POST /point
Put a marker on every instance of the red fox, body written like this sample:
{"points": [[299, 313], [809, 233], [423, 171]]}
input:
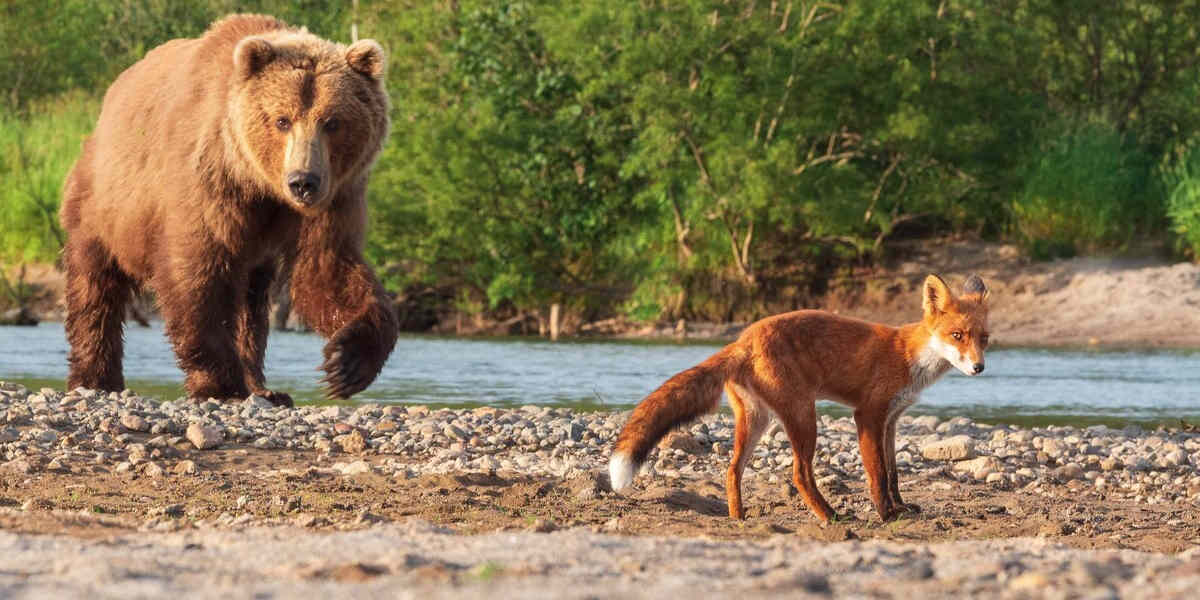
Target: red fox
{"points": [[782, 364]]}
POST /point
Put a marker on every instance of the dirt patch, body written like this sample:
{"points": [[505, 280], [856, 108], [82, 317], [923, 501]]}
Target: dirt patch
{"points": [[1113, 302], [1116, 302], [239, 487]]}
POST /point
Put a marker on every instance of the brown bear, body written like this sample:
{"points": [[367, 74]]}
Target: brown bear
{"points": [[216, 162]]}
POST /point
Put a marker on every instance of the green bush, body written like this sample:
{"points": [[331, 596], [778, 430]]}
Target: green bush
{"points": [[1089, 188], [1181, 179], [36, 151]]}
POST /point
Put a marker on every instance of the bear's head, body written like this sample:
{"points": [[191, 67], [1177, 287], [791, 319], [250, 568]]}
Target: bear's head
{"points": [[309, 115]]}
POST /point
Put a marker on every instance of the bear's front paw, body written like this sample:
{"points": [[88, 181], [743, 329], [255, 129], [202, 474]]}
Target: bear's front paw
{"points": [[351, 364], [276, 398]]}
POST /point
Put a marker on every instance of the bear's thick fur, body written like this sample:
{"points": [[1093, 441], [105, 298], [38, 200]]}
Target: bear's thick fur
{"points": [[217, 161]]}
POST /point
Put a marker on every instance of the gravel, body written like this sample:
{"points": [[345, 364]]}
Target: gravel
{"points": [[84, 430]]}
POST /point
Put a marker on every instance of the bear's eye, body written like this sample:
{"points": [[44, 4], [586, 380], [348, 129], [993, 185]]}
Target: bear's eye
{"points": [[957, 335], [283, 124], [332, 125]]}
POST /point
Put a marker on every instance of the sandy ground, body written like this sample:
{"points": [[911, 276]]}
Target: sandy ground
{"points": [[277, 487], [1107, 302], [262, 523], [1096, 302]]}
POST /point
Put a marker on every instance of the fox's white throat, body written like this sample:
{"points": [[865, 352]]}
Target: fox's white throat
{"points": [[930, 365]]}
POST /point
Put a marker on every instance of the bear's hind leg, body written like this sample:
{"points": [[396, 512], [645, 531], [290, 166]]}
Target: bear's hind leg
{"points": [[97, 294], [253, 327]]}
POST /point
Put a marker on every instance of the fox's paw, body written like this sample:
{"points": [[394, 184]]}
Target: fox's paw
{"points": [[904, 507]]}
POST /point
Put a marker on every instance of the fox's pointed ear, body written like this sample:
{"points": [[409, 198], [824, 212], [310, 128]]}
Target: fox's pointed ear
{"points": [[974, 287], [935, 295]]}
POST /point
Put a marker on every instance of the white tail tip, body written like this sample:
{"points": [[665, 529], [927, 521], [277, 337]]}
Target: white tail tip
{"points": [[620, 471]]}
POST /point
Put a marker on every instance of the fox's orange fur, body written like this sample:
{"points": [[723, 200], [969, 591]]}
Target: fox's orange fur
{"points": [[781, 365]]}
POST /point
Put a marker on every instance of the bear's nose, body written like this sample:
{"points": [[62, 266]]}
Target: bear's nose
{"points": [[303, 184]]}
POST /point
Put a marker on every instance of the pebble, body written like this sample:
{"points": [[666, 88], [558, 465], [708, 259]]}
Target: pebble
{"points": [[81, 430], [958, 447], [134, 423], [351, 443], [204, 438], [184, 467]]}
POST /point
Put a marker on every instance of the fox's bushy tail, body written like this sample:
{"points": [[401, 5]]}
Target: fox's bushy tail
{"points": [[684, 397]]}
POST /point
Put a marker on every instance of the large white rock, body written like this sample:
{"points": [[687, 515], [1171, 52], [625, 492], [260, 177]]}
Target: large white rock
{"points": [[958, 447]]}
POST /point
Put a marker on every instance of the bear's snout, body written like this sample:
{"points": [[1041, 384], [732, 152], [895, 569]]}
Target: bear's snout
{"points": [[304, 185]]}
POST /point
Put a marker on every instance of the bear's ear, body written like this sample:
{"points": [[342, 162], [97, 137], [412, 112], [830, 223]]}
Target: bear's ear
{"points": [[251, 55], [366, 57]]}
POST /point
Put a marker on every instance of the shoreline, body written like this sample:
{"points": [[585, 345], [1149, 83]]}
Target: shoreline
{"points": [[719, 334], [1107, 303]]}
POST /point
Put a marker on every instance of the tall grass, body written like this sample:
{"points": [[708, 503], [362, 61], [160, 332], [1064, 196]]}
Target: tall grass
{"points": [[1181, 178], [37, 149], [1087, 189]]}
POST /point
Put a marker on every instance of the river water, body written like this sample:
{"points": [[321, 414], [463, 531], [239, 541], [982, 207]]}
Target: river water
{"points": [[1022, 386]]}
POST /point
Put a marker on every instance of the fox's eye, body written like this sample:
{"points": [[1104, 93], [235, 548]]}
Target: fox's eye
{"points": [[983, 339], [283, 124], [957, 335], [332, 125]]}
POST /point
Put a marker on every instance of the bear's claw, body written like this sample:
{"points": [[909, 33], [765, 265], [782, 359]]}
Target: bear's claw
{"points": [[346, 373]]}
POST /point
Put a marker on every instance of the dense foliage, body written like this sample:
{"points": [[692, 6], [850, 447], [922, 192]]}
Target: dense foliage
{"points": [[692, 158]]}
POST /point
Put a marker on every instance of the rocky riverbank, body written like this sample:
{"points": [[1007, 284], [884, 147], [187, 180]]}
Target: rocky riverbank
{"points": [[520, 485]]}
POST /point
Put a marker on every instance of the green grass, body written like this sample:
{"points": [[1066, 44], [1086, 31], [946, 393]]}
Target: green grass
{"points": [[37, 149], [1086, 189], [1181, 177]]}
